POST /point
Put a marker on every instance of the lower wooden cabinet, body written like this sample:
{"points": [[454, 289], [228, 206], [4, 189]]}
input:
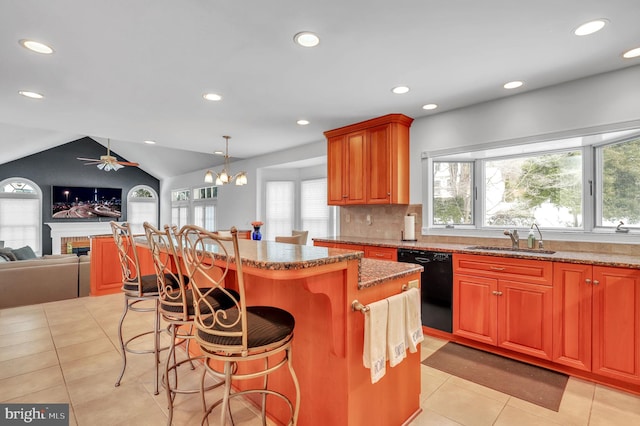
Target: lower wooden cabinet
{"points": [[496, 303], [597, 320]]}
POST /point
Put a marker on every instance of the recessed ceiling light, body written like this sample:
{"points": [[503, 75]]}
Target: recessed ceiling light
{"points": [[633, 53], [212, 97], [429, 106], [590, 27], [306, 39], [513, 84], [399, 90], [36, 46], [302, 122], [150, 142], [218, 152], [32, 95]]}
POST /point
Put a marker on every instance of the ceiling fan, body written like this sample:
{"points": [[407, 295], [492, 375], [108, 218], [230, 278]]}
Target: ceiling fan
{"points": [[107, 162]]}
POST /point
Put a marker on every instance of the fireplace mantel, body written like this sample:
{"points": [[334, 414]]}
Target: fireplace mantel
{"points": [[60, 230]]}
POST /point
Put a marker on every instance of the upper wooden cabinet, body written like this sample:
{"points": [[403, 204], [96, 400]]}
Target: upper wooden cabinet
{"points": [[368, 162]]}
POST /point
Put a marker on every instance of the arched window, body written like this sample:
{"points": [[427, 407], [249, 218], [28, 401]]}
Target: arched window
{"points": [[142, 206], [21, 214]]}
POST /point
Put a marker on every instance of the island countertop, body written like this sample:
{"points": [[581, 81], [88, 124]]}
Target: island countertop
{"points": [[273, 257]]}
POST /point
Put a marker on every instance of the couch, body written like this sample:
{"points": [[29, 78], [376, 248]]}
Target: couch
{"points": [[43, 279]]}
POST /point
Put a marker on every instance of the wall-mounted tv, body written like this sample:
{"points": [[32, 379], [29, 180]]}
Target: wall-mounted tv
{"points": [[80, 202]]}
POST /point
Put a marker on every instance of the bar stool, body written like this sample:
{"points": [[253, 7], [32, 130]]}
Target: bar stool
{"points": [[137, 288], [176, 307], [239, 334]]}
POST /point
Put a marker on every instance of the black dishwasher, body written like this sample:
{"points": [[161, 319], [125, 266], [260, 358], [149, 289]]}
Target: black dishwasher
{"points": [[436, 286]]}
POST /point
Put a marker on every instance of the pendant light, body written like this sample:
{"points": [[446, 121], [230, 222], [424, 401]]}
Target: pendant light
{"points": [[225, 176]]}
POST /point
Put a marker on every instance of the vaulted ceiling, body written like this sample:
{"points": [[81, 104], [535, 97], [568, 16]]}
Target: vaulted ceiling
{"points": [[137, 70]]}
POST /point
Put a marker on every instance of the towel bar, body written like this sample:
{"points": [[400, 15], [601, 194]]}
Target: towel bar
{"points": [[357, 306]]}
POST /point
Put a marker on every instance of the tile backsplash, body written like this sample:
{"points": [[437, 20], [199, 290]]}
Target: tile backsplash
{"points": [[387, 222]]}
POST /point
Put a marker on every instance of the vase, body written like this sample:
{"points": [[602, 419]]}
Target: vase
{"points": [[256, 235]]}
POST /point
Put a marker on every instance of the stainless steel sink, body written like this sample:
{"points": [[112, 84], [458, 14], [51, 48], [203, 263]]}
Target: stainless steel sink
{"points": [[517, 250]]}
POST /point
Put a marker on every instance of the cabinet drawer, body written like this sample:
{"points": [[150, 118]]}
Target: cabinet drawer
{"points": [[532, 271], [381, 253]]}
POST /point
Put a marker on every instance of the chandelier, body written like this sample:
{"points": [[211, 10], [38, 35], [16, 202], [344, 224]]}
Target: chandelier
{"points": [[225, 176]]}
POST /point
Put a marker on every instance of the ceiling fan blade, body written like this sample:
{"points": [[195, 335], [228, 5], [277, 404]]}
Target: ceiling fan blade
{"points": [[87, 159], [128, 163]]}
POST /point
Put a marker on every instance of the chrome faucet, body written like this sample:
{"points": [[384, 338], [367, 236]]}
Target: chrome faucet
{"points": [[515, 238], [540, 242]]}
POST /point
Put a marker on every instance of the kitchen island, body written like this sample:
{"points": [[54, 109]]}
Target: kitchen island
{"points": [[317, 286]]}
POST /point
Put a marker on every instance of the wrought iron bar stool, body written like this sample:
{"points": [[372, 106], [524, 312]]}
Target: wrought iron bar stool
{"points": [[237, 335], [176, 307], [137, 288]]}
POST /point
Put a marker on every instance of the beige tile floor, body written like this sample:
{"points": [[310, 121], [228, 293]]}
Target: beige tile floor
{"points": [[66, 352]]}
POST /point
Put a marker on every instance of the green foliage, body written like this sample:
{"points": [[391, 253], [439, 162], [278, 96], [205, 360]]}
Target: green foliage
{"points": [[621, 182]]}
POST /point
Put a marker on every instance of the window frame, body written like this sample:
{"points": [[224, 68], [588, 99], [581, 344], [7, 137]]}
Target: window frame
{"points": [[132, 201], [36, 195], [592, 229]]}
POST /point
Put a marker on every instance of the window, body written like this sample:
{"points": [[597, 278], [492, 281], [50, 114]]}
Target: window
{"points": [[204, 207], [279, 209], [452, 188], [315, 214], [142, 206], [620, 184], [546, 189], [180, 207], [586, 183], [21, 214]]}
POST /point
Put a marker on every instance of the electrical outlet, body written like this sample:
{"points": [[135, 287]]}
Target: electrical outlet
{"points": [[369, 219]]}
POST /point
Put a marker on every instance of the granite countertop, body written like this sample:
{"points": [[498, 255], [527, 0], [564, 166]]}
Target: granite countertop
{"points": [[269, 255], [602, 259], [374, 272]]}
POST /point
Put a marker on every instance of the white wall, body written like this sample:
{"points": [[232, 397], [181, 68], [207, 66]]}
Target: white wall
{"points": [[603, 102], [239, 205]]}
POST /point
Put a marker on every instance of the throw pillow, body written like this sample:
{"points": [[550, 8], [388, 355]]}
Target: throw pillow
{"points": [[24, 253], [8, 253], [3, 258]]}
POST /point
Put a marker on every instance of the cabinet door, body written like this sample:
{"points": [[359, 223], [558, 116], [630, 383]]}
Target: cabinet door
{"points": [[572, 307], [475, 307], [336, 194], [378, 166], [616, 326], [525, 318], [354, 173]]}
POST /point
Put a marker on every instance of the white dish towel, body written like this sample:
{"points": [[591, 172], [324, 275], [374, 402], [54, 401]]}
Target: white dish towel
{"points": [[413, 319], [396, 332], [375, 339]]}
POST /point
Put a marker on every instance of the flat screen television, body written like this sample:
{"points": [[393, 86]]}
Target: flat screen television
{"points": [[81, 202]]}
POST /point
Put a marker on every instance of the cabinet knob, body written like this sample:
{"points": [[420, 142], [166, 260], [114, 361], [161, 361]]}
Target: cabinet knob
{"points": [[497, 293], [588, 281], [596, 282], [497, 268]]}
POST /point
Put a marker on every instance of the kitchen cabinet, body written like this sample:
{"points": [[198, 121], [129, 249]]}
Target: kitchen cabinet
{"points": [[572, 296], [368, 162], [104, 271], [504, 302], [597, 320]]}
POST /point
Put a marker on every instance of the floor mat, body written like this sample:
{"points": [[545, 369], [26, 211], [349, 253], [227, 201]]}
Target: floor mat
{"points": [[534, 384]]}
